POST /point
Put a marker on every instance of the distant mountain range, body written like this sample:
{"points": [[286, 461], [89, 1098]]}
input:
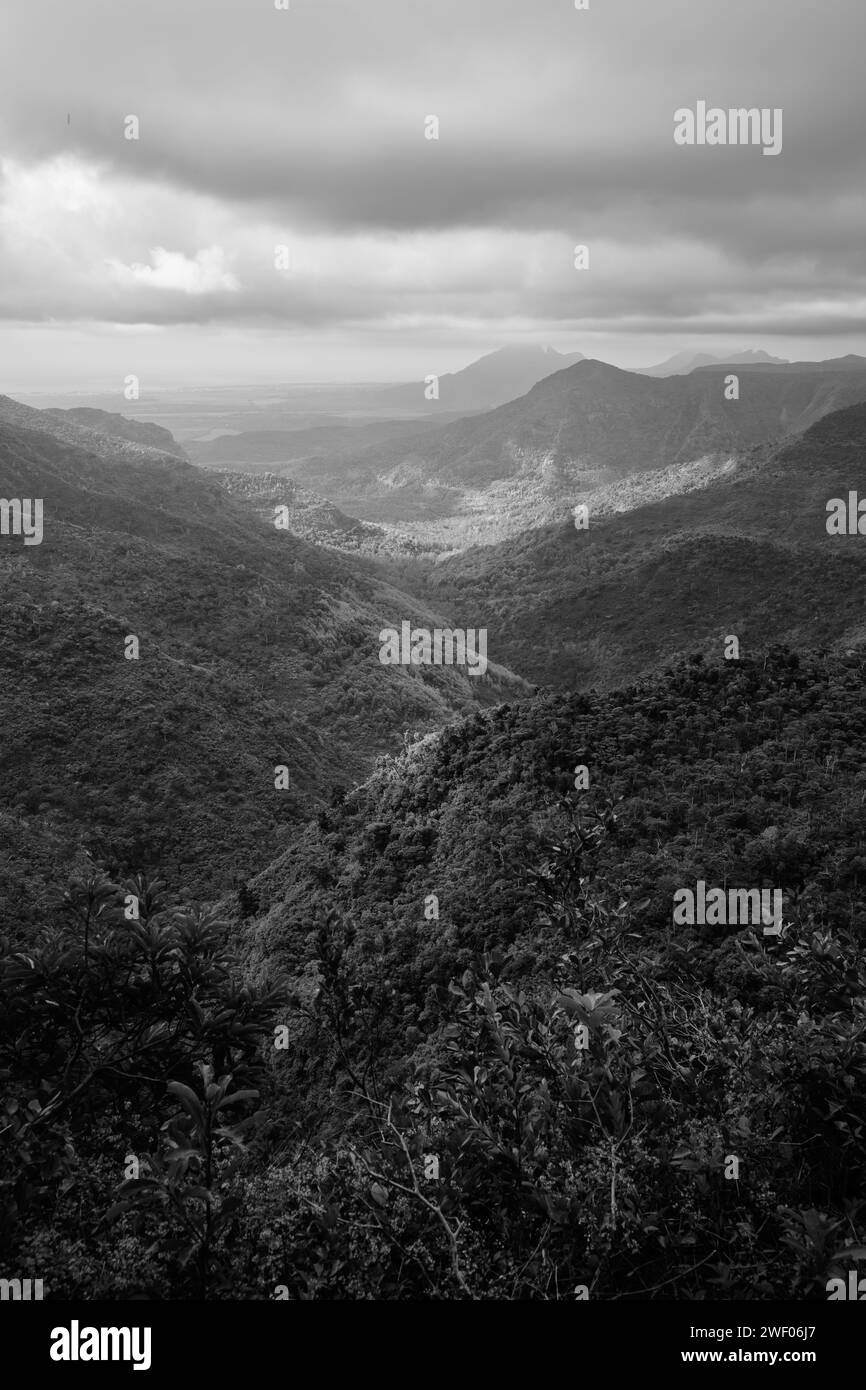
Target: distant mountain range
{"points": [[744, 551], [256, 649], [490, 381], [586, 428], [684, 362]]}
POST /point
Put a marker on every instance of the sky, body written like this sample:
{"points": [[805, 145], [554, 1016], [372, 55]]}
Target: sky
{"points": [[304, 128]]}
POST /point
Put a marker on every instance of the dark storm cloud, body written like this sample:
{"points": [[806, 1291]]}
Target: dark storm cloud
{"points": [[553, 123], [318, 112]]}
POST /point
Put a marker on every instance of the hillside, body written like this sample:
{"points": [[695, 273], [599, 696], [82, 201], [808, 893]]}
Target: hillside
{"points": [[555, 908], [491, 476], [256, 650], [731, 771], [109, 436], [317, 520], [305, 446], [472, 1056], [745, 551], [119, 427]]}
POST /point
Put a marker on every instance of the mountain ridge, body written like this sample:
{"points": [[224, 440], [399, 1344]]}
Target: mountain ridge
{"points": [[687, 361], [102, 432], [590, 426], [744, 551], [491, 380]]}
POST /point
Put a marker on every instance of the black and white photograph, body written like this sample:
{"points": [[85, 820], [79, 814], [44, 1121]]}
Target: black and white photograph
{"points": [[432, 660]]}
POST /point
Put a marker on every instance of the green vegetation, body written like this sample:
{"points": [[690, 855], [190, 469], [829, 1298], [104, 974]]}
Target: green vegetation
{"points": [[378, 1038], [257, 650], [749, 555]]}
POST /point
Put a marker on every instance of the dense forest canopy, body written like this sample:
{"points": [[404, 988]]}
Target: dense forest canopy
{"points": [[450, 1043]]}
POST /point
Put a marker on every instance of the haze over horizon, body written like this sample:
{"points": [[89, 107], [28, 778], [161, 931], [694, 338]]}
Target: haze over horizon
{"points": [[412, 255]]}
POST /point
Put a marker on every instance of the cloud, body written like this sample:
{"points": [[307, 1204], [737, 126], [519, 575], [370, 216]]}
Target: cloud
{"points": [[130, 252], [205, 273], [305, 127], [318, 112]]}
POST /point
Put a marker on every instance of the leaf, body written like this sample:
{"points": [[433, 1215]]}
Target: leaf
{"points": [[134, 1186], [189, 1100], [236, 1098], [201, 1194], [231, 1135], [177, 1155]]}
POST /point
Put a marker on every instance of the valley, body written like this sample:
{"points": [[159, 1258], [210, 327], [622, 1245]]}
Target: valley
{"points": [[257, 648], [581, 434], [384, 866]]}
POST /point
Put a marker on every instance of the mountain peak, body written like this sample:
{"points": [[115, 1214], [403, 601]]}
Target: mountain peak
{"points": [[499, 376], [525, 350]]}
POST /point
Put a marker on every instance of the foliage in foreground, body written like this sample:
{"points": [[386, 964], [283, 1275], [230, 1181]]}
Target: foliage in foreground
{"points": [[545, 1100]]}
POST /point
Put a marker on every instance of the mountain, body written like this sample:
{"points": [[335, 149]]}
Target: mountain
{"points": [[683, 362], [490, 381], [107, 435], [490, 476], [473, 1053], [119, 427], [741, 551], [851, 362], [553, 909], [458, 993], [256, 650]]}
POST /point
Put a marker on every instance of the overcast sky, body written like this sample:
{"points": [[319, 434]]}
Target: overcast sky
{"points": [[305, 128]]}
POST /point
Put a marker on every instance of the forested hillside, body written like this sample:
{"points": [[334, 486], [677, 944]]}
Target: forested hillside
{"points": [[472, 1056], [747, 555], [489, 477], [256, 651]]}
